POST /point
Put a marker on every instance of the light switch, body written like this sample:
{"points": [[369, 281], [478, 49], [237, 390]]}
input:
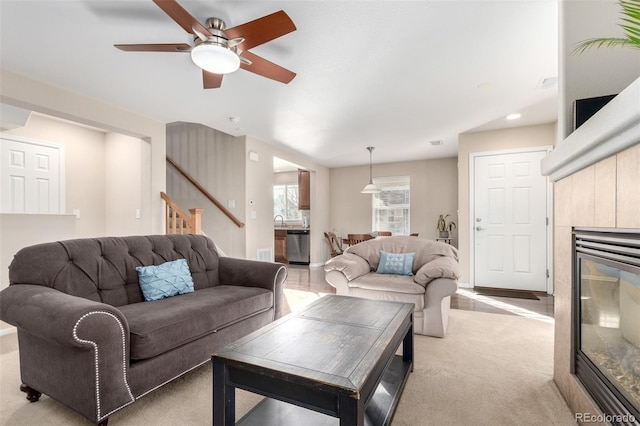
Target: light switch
{"points": [[254, 215], [231, 204], [76, 212]]}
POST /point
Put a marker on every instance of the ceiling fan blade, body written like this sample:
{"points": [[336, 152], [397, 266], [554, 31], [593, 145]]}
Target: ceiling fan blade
{"points": [[266, 68], [181, 16], [165, 47], [262, 30], [211, 80]]}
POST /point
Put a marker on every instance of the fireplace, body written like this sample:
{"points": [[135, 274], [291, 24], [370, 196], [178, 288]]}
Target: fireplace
{"points": [[606, 323]]}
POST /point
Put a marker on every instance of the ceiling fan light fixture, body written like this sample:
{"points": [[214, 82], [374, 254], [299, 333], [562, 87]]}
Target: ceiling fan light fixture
{"points": [[215, 58]]}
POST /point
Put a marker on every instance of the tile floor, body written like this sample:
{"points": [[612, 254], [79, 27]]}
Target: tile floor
{"points": [[311, 280]]}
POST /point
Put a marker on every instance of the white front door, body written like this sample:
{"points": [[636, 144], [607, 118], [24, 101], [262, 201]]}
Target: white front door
{"points": [[31, 176], [510, 221]]}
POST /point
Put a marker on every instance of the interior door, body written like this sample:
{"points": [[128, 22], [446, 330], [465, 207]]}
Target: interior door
{"points": [[510, 221], [30, 177]]}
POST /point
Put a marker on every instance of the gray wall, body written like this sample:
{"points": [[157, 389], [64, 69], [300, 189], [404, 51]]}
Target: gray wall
{"points": [[216, 161]]}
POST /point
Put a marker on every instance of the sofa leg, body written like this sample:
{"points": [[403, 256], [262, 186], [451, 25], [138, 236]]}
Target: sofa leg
{"points": [[32, 394], [104, 422]]}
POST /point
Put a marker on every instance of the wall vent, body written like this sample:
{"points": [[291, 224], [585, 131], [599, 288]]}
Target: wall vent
{"points": [[265, 254]]}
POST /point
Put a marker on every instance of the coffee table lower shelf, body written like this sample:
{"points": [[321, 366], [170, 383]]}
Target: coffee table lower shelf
{"points": [[379, 410]]}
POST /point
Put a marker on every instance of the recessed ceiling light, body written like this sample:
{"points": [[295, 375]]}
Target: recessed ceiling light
{"points": [[513, 116], [435, 143]]}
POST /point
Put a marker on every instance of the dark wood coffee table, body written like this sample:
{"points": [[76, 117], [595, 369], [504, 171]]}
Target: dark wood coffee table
{"points": [[336, 359]]}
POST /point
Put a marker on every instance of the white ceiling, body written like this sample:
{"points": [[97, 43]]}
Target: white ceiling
{"points": [[390, 74]]}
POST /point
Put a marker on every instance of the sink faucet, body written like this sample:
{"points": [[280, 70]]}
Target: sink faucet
{"points": [[281, 219]]}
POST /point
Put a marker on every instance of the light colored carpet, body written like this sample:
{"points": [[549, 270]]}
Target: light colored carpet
{"points": [[490, 369]]}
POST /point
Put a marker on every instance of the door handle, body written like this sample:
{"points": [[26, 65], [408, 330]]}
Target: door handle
{"points": [[479, 228]]}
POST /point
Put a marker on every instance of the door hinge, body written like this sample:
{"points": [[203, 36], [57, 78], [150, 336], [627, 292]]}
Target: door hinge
{"points": [[547, 273], [547, 221]]}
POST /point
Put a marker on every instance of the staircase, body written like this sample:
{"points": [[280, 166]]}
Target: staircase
{"points": [[180, 222]]}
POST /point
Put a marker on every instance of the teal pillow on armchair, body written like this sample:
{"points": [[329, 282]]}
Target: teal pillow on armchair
{"points": [[395, 263]]}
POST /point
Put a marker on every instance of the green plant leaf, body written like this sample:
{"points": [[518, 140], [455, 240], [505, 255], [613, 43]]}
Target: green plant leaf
{"points": [[631, 16]]}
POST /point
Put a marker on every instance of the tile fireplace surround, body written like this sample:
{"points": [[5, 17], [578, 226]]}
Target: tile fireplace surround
{"points": [[596, 175]]}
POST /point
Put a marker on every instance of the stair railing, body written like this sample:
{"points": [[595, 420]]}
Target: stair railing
{"points": [[180, 222], [204, 192]]}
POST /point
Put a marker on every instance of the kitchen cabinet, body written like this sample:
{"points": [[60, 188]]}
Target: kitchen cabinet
{"points": [[304, 189], [280, 246]]}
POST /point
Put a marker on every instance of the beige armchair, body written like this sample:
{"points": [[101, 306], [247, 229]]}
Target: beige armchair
{"points": [[433, 270]]}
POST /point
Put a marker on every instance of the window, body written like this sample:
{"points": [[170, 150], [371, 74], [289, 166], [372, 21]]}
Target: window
{"points": [[285, 202], [391, 205]]}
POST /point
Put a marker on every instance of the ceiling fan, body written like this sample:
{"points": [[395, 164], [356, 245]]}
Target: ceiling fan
{"points": [[219, 50]]}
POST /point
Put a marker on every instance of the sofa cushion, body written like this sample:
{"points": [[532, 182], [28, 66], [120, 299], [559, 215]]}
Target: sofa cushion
{"points": [[395, 263], [387, 283], [165, 280], [161, 325]]}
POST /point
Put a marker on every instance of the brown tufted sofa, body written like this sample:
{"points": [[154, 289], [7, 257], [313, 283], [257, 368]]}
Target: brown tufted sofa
{"points": [[88, 339]]}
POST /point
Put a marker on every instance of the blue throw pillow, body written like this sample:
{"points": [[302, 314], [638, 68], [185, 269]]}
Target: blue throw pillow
{"points": [[165, 280], [395, 263]]}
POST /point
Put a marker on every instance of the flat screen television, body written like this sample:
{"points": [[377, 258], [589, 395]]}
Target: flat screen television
{"points": [[584, 109]]}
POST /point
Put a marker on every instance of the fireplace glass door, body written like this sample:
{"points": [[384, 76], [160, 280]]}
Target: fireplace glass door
{"points": [[607, 285]]}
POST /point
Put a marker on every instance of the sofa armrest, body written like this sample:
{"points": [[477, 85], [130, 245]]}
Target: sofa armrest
{"points": [[440, 267], [350, 265], [90, 338], [51, 314], [254, 273], [438, 289]]}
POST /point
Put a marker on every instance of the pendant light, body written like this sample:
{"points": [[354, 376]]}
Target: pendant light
{"points": [[371, 188]]}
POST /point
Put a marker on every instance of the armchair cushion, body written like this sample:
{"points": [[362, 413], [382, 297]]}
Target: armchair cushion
{"points": [[425, 250], [165, 280], [351, 265], [440, 267]]}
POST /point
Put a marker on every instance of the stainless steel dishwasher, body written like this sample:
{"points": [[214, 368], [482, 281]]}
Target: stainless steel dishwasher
{"points": [[298, 246]]}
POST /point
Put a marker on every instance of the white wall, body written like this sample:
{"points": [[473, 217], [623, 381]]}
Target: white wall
{"points": [[260, 181], [596, 72], [492, 140], [123, 184], [39, 97], [220, 162], [103, 174], [84, 167], [216, 161], [434, 191]]}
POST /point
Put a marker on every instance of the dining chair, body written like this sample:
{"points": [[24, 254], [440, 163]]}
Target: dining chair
{"points": [[353, 239], [334, 243], [384, 233]]}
